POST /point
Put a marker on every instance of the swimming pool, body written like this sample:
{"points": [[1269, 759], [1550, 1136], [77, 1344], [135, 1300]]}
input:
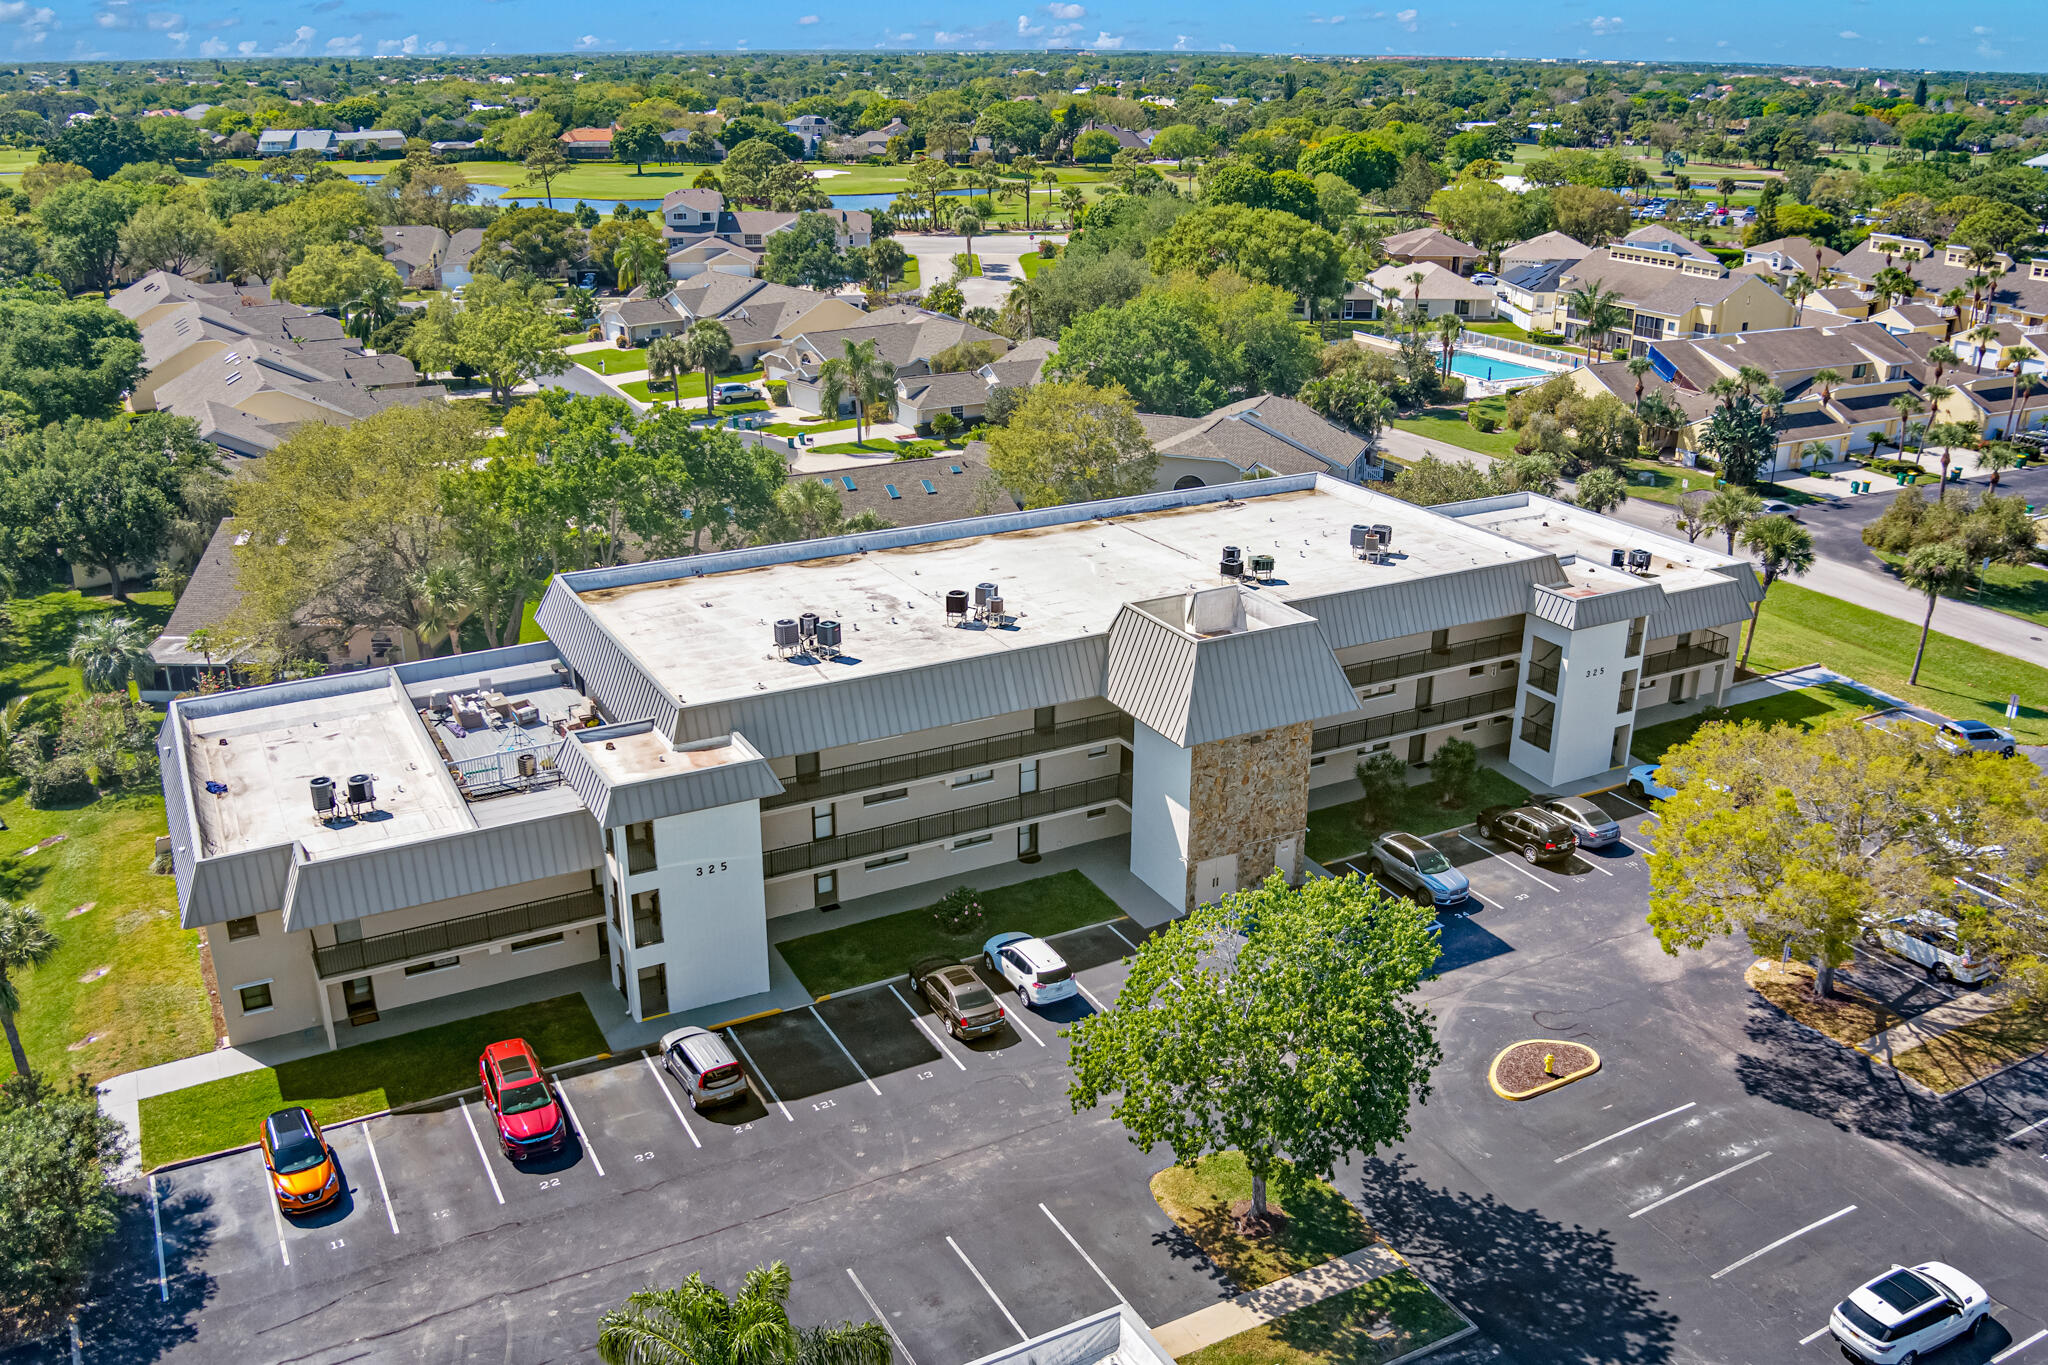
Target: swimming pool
{"points": [[1481, 365]]}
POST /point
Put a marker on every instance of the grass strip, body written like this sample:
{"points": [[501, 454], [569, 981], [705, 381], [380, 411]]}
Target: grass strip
{"points": [[1812, 707], [1336, 832], [1320, 1224], [1975, 1050], [1381, 1320]]}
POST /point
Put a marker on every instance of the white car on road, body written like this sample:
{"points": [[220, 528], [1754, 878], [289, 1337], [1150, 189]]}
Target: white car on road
{"points": [[1040, 975], [1904, 1315]]}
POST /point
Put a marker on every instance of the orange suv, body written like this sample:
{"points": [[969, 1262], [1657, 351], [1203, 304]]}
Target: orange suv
{"points": [[303, 1175]]}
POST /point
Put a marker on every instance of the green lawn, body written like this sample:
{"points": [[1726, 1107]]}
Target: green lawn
{"points": [[910, 279], [618, 362], [1977, 1049], [1960, 679], [973, 267], [2016, 589], [358, 1080], [811, 428], [856, 954], [1499, 327], [529, 629], [882, 445], [1029, 263], [1669, 482], [1821, 704], [1321, 1224], [1449, 426], [1381, 1320], [151, 1006], [1339, 831]]}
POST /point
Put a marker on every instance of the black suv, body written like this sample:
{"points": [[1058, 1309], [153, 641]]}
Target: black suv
{"points": [[1541, 836]]}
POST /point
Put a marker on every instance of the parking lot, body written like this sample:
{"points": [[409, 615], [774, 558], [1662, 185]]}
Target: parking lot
{"points": [[1707, 1196]]}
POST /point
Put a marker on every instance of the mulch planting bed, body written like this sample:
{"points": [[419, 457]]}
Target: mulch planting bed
{"points": [[1518, 1072]]}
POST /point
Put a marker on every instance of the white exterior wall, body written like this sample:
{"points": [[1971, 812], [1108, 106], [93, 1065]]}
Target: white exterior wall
{"points": [[1160, 779], [714, 920], [1589, 690]]}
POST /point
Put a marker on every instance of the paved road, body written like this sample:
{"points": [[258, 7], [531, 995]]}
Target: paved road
{"points": [[1406, 446], [1847, 568], [998, 252]]}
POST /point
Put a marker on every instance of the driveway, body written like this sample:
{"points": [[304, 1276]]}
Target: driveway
{"points": [[999, 253]]}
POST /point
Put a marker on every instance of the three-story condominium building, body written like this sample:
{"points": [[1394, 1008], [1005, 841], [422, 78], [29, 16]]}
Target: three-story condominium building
{"points": [[706, 743]]}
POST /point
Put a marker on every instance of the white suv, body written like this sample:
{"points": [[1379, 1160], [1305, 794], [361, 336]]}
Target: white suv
{"points": [[1903, 1315], [1930, 940], [1974, 736]]}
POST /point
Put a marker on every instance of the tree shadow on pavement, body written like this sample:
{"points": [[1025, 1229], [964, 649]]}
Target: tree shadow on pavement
{"points": [[130, 1321], [1799, 1069], [1544, 1291]]}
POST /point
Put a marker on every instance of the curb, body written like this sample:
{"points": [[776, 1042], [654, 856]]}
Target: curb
{"points": [[1555, 1083]]}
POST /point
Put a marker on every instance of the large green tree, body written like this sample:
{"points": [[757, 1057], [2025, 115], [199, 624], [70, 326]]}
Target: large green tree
{"points": [[1279, 1022], [333, 274], [58, 1202], [702, 484], [1072, 442], [498, 331], [1359, 158], [807, 253], [83, 223], [1151, 349], [1263, 245], [62, 358]]}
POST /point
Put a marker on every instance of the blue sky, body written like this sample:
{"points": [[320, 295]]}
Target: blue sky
{"points": [[1878, 33]]}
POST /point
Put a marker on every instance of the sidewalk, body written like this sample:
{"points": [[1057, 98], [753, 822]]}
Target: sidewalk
{"points": [[1922, 1028], [1255, 1308]]}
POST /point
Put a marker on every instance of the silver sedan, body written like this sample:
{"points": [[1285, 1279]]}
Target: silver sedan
{"points": [[1593, 827]]}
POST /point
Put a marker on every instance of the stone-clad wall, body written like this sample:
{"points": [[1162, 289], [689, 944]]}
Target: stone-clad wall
{"points": [[1246, 796]]}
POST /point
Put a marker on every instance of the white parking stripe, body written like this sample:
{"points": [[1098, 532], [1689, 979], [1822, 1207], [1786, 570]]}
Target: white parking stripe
{"points": [[842, 1047], [1483, 896], [1790, 1236], [881, 1317], [1084, 1255], [1624, 1132], [1016, 1016], [163, 1288], [1596, 867], [1100, 1008], [1812, 1337], [1509, 860], [2009, 1352], [662, 1081], [1022, 1335], [481, 1155], [1633, 849], [382, 1188], [278, 1219], [582, 1135], [929, 1032], [1679, 1194], [2016, 1135], [766, 1084], [1122, 935], [1630, 804]]}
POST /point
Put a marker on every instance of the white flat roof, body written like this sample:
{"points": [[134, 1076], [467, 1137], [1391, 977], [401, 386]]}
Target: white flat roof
{"points": [[648, 753], [1566, 531], [709, 637]]}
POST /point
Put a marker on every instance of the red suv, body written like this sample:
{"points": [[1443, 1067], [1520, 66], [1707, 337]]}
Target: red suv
{"points": [[530, 1118]]}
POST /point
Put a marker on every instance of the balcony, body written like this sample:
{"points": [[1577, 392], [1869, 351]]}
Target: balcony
{"points": [[1686, 656], [1353, 733], [448, 937], [900, 769], [1371, 671], [932, 829], [1543, 677]]}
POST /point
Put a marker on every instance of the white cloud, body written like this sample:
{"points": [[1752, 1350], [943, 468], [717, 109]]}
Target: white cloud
{"points": [[351, 46], [248, 48], [1605, 23], [1924, 41], [1333, 19], [1027, 29], [906, 37], [1406, 19], [34, 22], [108, 19], [808, 19], [406, 46], [1850, 34], [588, 41], [1104, 42], [163, 23], [178, 39], [1985, 49], [1062, 30], [1981, 31], [942, 37], [212, 47], [1226, 47], [1180, 42], [1060, 11]]}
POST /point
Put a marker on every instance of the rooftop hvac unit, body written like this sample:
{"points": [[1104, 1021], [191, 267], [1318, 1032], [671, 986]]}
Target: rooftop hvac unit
{"points": [[1233, 562], [995, 611], [1358, 534], [323, 794], [361, 790], [1618, 558], [807, 625], [983, 592], [828, 636], [1262, 567], [1639, 560], [787, 637], [956, 605], [529, 763], [1372, 549], [1386, 535]]}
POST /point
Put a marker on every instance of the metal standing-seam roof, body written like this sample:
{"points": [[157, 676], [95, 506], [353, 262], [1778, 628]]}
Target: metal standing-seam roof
{"points": [[1582, 609], [1704, 607], [1416, 606], [662, 794], [609, 673]]}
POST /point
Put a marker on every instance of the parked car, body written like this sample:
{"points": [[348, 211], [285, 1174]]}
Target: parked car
{"points": [[736, 393], [1485, 277], [303, 1175], [530, 1119], [1930, 940], [704, 1066], [1414, 865], [1904, 1315], [957, 996], [1775, 507], [1975, 736], [1591, 826], [1642, 782], [1541, 836], [1040, 974]]}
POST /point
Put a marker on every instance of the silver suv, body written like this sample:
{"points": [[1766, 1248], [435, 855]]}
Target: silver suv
{"points": [[704, 1066], [1413, 864]]}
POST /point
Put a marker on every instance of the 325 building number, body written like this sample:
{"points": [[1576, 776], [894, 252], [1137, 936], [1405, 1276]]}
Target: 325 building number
{"points": [[711, 869]]}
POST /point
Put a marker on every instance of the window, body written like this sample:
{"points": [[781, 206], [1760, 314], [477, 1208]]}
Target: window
{"points": [[1043, 719], [973, 841], [640, 847], [1545, 658], [1536, 719], [646, 919], [806, 767], [825, 888], [1463, 307], [1027, 776], [255, 997], [894, 858], [1476, 671], [1628, 692], [1470, 725], [890, 489], [653, 990], [1382, 747], [1317, 761], [244, 927], [822, 823], [1103, 752], [439, 964], [528, 944], [927, 484], [1635, 636], [884, 798], [849, 484], [975, 779], [1098, 812]]}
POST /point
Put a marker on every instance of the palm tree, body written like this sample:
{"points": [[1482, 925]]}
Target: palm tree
{"points": [[1953, 301], [446, 597], [1941, 357], [1930, 569], [2015, 358], [638, 258], [1782, 547], [1798, 289], [707, 346], [695, 1324], [858, 373], [374, 306], [1073, 201], [669, 358], [1947, 434], [1599, 310], [111, 651], [1448, 328], [967, 224], [1907, 405], [1978, 285], [25, 941], [1825, 381], [1639, 366], [1028, 167], [1892, 284], [1727, 388], [1752, 379], [1998, 457], [1983, 336], [1729, 511]]}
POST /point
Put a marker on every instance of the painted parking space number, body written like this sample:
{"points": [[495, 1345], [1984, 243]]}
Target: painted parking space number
{"points": [[553, 1182]]}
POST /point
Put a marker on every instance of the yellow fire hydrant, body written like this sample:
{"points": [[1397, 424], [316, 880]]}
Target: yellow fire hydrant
{"points": [[1550, 1063]]}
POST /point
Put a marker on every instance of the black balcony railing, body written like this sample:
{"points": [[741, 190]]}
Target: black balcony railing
{"points": [[899, 769], [1537, 733], [1543, 677], [1425, 660], [929, 829], [1686, 656], [1353, 733], [453, 935]]}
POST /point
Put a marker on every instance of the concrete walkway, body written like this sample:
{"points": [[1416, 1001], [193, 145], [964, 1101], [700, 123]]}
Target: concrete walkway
{"points": [[1255, 1308], [1922, 1028]]}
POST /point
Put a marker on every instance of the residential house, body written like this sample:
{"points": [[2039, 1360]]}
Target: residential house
{"points": [[1551, 246], [690, 212], [1428, 246], [1789, 256], [1256, 438], [1022, 365], [921, 397], [369, 144], [1530, 290], [812, 129], [760, 316], [1922, 319], [1097, 715], [905, 337], [1440, 291], [874, 142], [1840, 302], [637, 321], [752, 228], [417, 253], [949, 487], [2018, 292], [1990, 354], [589, 144], [1668, 288], [715, 254], [285, 141], [462, 248]]}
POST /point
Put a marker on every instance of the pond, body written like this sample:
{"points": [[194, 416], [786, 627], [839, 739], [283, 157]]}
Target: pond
{"points": [[494, 194]]}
